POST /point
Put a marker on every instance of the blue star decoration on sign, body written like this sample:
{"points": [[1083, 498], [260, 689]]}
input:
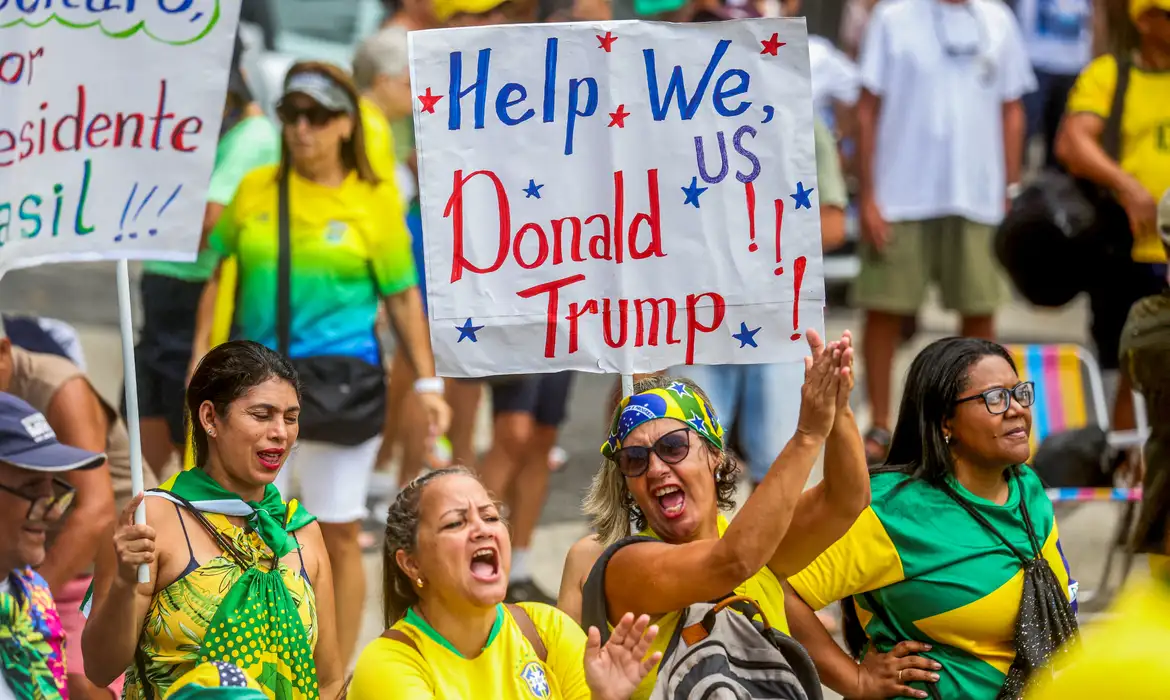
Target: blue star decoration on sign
{"points": [[693, 192], [801, 196], [533, 190], [468, 331], [746, 337]]}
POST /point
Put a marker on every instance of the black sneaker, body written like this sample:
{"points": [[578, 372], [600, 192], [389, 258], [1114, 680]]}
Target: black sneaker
{"points": [[526, 591]]}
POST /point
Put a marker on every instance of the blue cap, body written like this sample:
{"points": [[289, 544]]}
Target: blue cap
{"points": [[27, 441]]}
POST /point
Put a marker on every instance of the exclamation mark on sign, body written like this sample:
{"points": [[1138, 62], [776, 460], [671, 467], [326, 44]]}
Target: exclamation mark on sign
{"points": [[779, 225], [798, 269], [750, 192]]}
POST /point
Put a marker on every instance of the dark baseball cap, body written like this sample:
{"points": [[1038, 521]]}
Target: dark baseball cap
{"points": [[27, 441]]}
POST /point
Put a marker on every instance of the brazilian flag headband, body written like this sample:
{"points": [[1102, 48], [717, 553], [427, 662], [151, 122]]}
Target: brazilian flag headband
{"points": [[676, 401]]}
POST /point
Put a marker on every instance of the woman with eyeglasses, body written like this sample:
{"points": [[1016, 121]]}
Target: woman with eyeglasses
{"points": [[237, 574], [322, 244], [667, 469], [958, 584], [33, 499]]}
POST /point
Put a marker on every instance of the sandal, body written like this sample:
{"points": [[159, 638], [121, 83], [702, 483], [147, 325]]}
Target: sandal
{"points": [[877, 446]]}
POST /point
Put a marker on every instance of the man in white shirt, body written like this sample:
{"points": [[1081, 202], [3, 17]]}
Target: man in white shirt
{"points": [[1059, 37], [941, 130]]}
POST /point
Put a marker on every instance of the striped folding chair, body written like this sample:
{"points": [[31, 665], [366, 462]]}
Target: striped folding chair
{"points": [[1070, 394]]}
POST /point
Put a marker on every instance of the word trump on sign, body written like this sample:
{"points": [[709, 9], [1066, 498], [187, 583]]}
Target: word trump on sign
{"points": [[110, 158], [618, 196]]}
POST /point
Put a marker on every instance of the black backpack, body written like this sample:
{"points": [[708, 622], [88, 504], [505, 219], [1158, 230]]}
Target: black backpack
{"points": [[719, 649]]}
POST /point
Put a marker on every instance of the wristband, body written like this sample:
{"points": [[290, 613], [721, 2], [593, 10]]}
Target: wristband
{"points": [[1014, 190], [428, 385]]}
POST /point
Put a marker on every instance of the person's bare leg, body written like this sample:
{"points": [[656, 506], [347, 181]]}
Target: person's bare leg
{"points": [[530, 486], [158, 447], [463, 395], [880, 339], [398, 390], [510, 435], [349, 583], [978, 327]]}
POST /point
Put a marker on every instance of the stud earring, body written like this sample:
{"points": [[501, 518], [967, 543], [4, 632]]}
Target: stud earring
{"points": [[419, 582], [719, 475], [947, 439], [211, 432]]}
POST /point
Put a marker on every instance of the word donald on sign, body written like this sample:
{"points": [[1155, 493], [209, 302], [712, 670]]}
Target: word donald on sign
{"points": [[617, 196]]}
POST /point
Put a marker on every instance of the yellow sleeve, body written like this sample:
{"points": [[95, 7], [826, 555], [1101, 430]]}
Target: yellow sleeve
{"points": [[565, 642], [1093, 91], [390, 670], [865, 559]]}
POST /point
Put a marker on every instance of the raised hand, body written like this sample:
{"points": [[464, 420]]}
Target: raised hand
{"points": [[822, 379], [845, 365], [614, 671]]}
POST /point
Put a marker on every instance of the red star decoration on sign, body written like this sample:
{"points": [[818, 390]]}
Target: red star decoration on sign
{"points": [[771, 45], [606, 41], [428, 101], [618, 118]]}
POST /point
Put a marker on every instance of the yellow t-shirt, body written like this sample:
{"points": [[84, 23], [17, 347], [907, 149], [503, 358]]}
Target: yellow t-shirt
{"points": [[1123, 656], [1145, 130], [764, 588], [379, 141], [507, 669]]}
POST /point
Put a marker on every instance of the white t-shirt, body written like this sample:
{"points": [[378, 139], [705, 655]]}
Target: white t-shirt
{"points": [[1058, 33], [943, 72], [834, 76]]}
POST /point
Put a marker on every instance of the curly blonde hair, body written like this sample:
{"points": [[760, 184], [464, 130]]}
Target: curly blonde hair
{"points": [[609, 503]]}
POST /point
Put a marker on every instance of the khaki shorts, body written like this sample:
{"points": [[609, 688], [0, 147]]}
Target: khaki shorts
{"points": [[952, 252]]}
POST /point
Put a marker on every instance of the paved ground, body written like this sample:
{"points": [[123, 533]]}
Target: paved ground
{"points": [[85, 295]]}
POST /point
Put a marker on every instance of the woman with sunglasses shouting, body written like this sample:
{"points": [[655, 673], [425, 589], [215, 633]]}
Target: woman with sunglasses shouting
{"points": [[667, 469], [33, 500], [959, 587], [322, 244]]}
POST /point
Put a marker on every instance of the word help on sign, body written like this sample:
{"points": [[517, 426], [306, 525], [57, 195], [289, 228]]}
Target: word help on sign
{"points": [[109, 117], [618, 196]]}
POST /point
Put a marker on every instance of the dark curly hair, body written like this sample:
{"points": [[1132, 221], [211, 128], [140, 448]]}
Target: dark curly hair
{"points": [[225, 374], [609, 504]]}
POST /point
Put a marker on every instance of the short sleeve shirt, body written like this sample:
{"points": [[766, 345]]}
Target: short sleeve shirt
{"points": [[507, 668], [940, 577], [349, 248]]}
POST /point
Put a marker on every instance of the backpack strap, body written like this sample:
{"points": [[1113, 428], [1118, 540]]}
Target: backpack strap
{"points": [[594, 610], [1111, 136], [402, 638], [528, 629]]}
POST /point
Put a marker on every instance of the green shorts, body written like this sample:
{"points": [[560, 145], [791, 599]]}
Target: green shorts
{"points": [[952, 252]]}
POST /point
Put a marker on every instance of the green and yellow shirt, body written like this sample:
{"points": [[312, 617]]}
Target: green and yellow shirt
{"points": [[940, 576]]}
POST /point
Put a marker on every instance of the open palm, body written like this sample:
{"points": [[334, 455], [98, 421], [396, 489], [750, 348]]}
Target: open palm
{"points": [[614, 671]]}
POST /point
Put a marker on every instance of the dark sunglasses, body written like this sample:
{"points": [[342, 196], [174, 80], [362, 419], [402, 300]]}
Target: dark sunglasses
{"points": [[999, 400], [316, 115], [671, 448], [46, 508]]}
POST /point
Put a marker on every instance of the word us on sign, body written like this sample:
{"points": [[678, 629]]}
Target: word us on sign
{"points": [[618, 196]]}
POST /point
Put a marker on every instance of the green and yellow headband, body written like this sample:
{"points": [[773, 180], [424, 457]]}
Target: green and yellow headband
{"points": [[675, 401]]}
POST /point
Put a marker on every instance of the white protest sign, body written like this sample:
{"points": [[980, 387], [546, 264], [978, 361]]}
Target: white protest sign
{"points": [[109, 116], [617, 196]]}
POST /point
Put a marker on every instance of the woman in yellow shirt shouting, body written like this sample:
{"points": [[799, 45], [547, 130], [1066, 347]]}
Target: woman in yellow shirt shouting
{"points": [[446, 560]]}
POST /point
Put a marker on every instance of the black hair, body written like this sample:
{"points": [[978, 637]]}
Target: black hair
{"points": [[225, 374], [937, 376]]}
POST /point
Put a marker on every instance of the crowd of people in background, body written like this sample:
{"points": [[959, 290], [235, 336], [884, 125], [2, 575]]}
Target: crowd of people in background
{"points": [[929, 530]]}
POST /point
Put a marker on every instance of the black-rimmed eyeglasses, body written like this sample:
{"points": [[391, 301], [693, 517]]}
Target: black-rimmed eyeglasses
{"points": [[46, 508], [999, 399]]}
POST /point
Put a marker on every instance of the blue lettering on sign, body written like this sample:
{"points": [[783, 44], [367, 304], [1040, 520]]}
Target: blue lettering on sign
{"points": [[676, 88]]}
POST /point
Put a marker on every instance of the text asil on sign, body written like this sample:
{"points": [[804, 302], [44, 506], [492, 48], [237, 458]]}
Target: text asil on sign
{"points": [[109, 158], [597, 197]]}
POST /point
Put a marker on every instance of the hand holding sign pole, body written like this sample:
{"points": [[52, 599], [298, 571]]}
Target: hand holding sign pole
{"points": [[599, 197]]}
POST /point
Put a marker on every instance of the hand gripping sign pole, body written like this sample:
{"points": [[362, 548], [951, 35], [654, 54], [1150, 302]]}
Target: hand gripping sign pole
{"points": [[126, 322]]}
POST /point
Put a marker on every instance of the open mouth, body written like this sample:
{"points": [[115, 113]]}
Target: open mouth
{"points": [[671, 500], [485, 565], [270, 459]]}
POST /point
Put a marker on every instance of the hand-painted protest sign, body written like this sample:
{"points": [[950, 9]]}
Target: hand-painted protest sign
{"points": [[619, 196], [109, 117]]}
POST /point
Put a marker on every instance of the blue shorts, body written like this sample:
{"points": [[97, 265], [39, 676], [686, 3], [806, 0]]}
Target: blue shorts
{"points": [[414, 226]]}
